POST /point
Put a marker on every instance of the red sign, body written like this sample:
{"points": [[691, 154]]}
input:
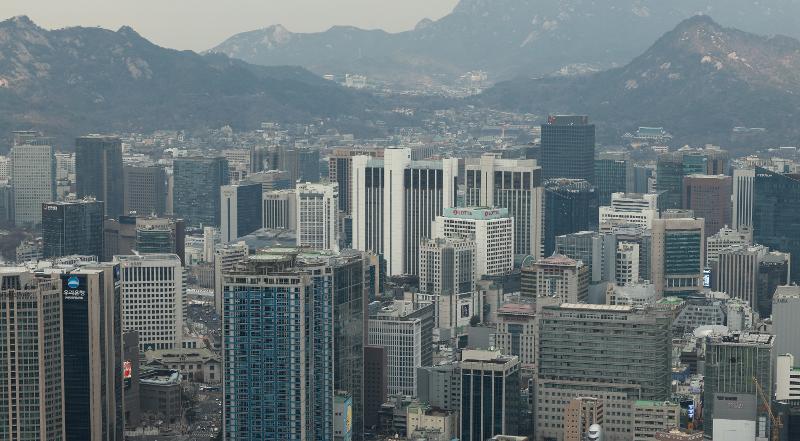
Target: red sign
{"points": [[127, 370]]}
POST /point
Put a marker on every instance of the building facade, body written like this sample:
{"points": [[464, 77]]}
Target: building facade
{"points": [[98, 171], [490, 399], [145, 190], [709, 196], [492, 230], [241, 210], [33, 175], [447, 278], [196, 191], [776, 209], [678, 256], [72, 228], [317, 216], [557, 277], [570, 206], [568, 144]]}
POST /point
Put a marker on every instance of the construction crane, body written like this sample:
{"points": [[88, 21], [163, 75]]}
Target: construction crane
{"points": [[777, 424]]}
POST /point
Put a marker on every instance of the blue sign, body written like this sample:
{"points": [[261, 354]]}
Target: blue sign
{"points": [[73, 282], [690, 411]]}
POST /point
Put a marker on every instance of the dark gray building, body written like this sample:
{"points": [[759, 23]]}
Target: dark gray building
{"points": [[613, 173], [570, 207], [72, 228], [776, 214], [130, 378], [98, 171], [568, 144], [145, 190], [196, 190]]}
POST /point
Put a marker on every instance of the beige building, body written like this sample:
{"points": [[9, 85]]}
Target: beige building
{"points": [[516, 331], [198, 364], [581, 413], [678, 256], [424, 422], [651, 417], [556, 276]]}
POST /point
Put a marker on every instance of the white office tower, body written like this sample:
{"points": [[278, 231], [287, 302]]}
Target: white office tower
{"points": [[447, 279], [627, 263], [210, 241], [726, 238], [33, 173], [225, 258], [736, 272], [279, 210], [492, 230], [787, 387], [317, 216], [394, 202], [785, 310], [629, 209], [153, 289], [514, 184], [742, 198]]}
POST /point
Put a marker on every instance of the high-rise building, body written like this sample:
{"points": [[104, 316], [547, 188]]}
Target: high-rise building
{"points": [[279, 209], [669, 180], [447, 279], [145, 190], [736, 272], [72, 228], [405, 329], [587, 350], [776, 209], [240, 210], [33, 175], [568, 144], [581, 414], [394, 202], [644, 178], [376, 383], [153, 299], [723, 239], [196, 193], [773, 272], [31, 355], [629, 209], [785, 310], [557, 277], [302, 163], [318, 216], [709, 196], [492, 230], [731, 404], [440, 385], [515, 185], [626, 264], [98, 171], [613, 173], [490, 398], [270, 180], [340, 171], [92, 336], [742, 210], [226, 257], [570, 206], [278, 349], [155, 235], [588, 247], [516, 331], [678, 256]]}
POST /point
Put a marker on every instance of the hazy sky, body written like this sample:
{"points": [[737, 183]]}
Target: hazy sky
{"points": [[202, 24]]}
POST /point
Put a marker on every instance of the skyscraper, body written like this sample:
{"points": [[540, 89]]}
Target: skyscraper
{"points": [[196, 194], [318, 216], [776, 211], [145, 190], [153, 299], [98, 171], [144, 234], [278, 349], [279, 209], [490, 398], [492, 230], [394, 202], [241, 210], [629, 209], [570, 206], [557, 277], [33, 175], [742, 213], [72, 228], [447, 278], [340, 171], [613, 173], [678, 256], [515, 185], [709, 196], [31, 357], [302, 163], [568, 144]]}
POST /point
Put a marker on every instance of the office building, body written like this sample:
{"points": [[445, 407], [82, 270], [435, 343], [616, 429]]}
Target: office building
{"points": [[270, 180], [516, 330], [557, 277], [279, 210], [376, 383], [440, 385], [570, 206], [394, 202], [318, 216], [723, 239], [568, 144], [31, 353], [98, 171], [278, 349], [447, 279], [492, 230], [145, 190], [302, 163], [340, 171], [626, 264], [580, 415], [651, 417], [153, 299], [143, 234], [732, 406], [92, 338], [196, 192], [787, 379], [241, 210], [644, 178], [709, 197], [405, 329], [263, 158], [425, 421], [669, 180], [33, 176], [613, 173], [590, 248], [130, 379], [72, 228], [785, 310], [744, 273], [742, 209], [678, 256], [490, 399], [515, 185], [225, 259], [629, 209], [773, 272], [776, 209], [587, 351]]}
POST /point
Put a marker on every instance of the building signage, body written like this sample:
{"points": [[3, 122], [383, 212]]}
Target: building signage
{"points": [[74, 287]]}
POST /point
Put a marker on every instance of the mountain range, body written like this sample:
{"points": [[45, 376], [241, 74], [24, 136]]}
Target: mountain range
{"points": [[71, 81], [506, 38], [699, 80]]}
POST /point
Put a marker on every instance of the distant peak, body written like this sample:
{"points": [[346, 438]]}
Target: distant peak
{"points": [[697, 20], [424, 23], [128, 31], [22, 21]]}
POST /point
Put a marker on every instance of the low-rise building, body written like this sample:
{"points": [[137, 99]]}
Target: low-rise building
{"points": [[195, 364], [651, 417]]}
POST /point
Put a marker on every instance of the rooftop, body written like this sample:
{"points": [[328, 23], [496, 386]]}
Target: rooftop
{"points": [[589, 307]]}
